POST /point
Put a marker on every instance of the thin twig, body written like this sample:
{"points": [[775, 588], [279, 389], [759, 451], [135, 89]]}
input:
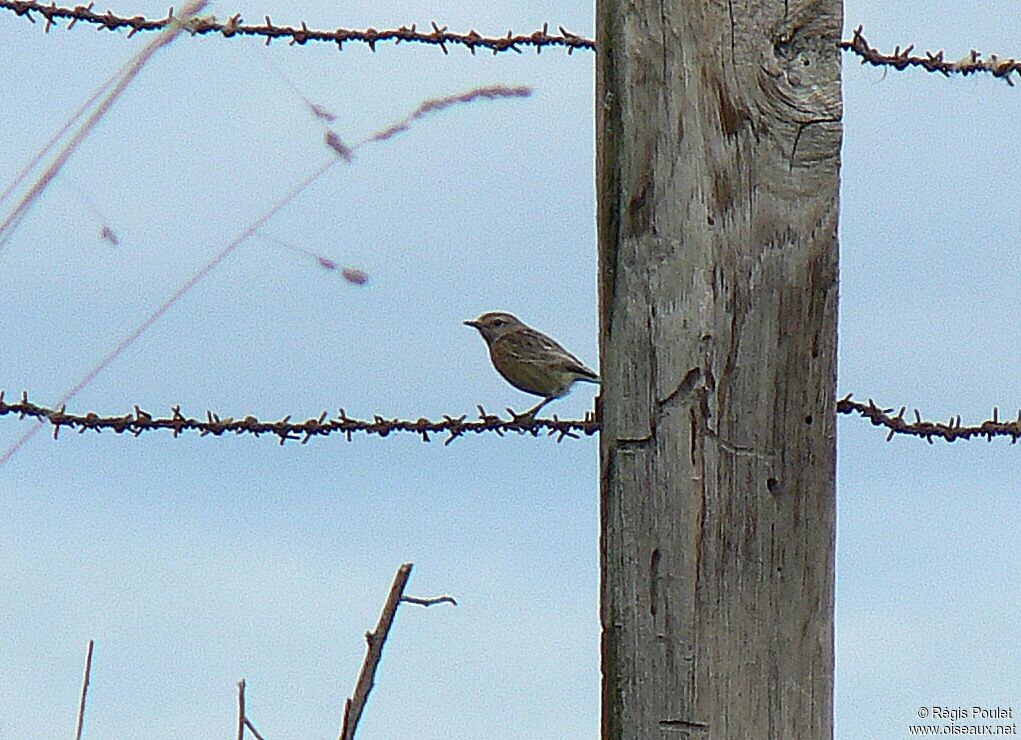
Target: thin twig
{"points": [[243, 720], [429, 602], [354, 706], [241, 710], [251, 729], [85, 691]]}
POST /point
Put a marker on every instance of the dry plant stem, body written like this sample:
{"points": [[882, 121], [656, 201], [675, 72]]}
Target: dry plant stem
{"points": [[166, 305], [354, 706], [12, 220], [241, 710], [492, 92], [437, 104], [20, 177], [85, 691]]}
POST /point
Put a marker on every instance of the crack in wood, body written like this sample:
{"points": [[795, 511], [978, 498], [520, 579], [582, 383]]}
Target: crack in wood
{"points": [[683, 725], [801, 128], [683, 390], [654, 581], [631, 443], [733, 33]]}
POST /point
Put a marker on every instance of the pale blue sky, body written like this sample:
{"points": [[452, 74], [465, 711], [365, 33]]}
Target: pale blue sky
{"points": [[196, 562]]}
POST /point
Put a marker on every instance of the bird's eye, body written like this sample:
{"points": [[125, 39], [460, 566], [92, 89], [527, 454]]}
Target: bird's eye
{"points": [[499, 322]]}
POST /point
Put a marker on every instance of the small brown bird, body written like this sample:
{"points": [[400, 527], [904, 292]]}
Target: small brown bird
{"points": [[529, 360]]}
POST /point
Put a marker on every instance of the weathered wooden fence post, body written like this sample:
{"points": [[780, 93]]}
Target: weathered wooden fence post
{"points": [[718, 135]]}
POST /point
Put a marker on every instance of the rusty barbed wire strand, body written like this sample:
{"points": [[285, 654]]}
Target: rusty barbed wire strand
{"points": [[971, 63], [233, 26], [951, 431], [140, 421]]}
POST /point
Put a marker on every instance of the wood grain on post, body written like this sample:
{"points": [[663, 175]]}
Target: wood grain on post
{"points": [[718, 135]]}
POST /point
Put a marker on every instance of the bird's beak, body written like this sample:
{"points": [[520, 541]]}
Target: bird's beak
{"points": [[474, 324]]}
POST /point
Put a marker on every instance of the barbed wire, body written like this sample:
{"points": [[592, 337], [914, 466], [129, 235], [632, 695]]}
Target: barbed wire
{"points": [[139, 421], [233, 26], [971, 63], [951, 431]]}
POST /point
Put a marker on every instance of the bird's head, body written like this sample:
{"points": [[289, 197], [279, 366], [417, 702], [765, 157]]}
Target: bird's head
{"points": [[495, 324]]}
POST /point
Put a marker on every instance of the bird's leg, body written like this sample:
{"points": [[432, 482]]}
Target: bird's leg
{"points": [[529, 415]]}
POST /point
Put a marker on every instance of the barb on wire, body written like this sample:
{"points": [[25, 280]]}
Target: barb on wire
{"points": [[234, 26], [970, 63], [285, 430], [951, 431]]}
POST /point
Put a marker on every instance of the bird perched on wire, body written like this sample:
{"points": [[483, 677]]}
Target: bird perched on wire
{"points": [[529, 360]]}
